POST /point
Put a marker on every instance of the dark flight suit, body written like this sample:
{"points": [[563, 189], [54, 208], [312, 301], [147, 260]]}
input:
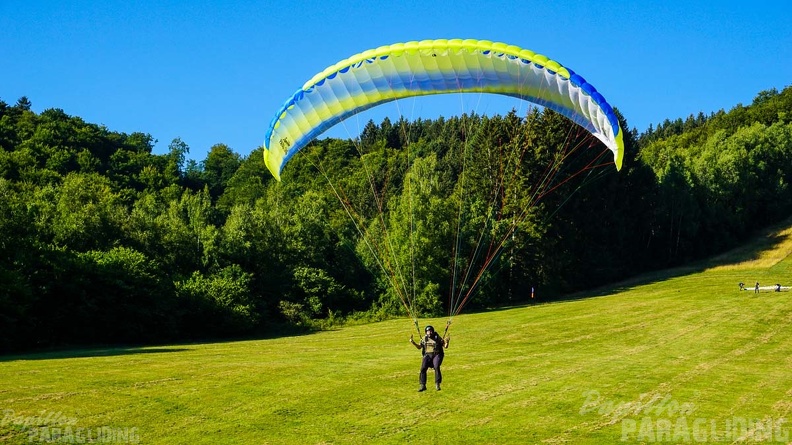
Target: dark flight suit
{"points": [[432, 350]]}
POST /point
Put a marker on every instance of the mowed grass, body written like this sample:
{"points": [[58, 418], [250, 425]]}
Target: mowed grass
{"points": [[618, 364]]}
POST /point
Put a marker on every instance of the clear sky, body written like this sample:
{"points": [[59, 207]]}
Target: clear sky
{"points": [[216, 71]]}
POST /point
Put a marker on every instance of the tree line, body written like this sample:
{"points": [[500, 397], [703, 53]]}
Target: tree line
{"points": [[103, 241]]}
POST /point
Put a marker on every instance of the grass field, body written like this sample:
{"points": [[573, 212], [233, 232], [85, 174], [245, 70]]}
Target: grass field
{"points": [[674, 357]]}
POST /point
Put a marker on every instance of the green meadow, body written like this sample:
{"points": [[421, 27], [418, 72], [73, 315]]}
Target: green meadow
{"points": [[673, 357]]}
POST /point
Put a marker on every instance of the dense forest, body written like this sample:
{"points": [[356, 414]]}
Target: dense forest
{"points": [[102, 241]]}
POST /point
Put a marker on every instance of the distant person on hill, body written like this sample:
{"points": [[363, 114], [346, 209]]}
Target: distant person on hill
{"points": [[756, 289], [432, 348]]}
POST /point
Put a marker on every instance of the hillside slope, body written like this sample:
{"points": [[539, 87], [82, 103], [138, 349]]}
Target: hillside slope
{"points": [[672, 358]]}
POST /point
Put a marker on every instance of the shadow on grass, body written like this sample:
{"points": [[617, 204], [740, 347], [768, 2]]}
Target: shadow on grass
{"points": [[765, 241], [56, 352], [91, 352]]}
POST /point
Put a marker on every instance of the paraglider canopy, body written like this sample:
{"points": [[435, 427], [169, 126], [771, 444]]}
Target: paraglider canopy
{"points": [[486, 220], [429, 67]]}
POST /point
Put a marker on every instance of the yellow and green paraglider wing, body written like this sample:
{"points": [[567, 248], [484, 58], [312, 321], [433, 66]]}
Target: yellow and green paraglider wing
{"points": [[428, 67]]}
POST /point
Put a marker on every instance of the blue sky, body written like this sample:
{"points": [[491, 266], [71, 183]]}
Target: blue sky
{"points": [[216, 71]]}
